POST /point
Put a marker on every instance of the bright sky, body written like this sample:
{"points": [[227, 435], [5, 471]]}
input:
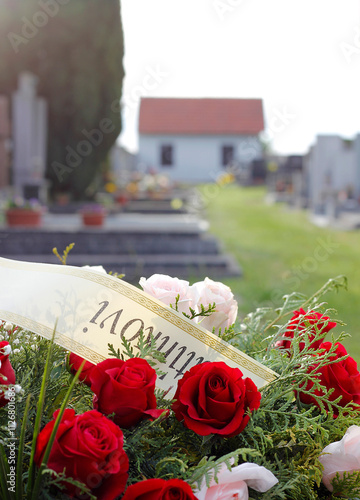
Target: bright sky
{"points": [[302, 57]]}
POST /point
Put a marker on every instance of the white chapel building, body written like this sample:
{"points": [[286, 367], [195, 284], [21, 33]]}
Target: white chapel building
{"points": [[195, 139]]}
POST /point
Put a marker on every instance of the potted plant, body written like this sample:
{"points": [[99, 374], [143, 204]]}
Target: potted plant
{"points": [[24, 213], [93, 214]]}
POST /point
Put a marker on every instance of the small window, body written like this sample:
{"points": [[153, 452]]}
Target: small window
{"points": [[227, 155], [166, 155]]}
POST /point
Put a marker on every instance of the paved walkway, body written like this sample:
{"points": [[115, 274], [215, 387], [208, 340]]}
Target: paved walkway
{"points": [[346, 221], [123, 222]]}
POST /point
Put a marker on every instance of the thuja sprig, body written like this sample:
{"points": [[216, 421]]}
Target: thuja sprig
{"points": [[228, 334], [204, 311], [120, 276], [207, 469], [295, 300], [59, 480], [145, 348], [64, 256], [346, 485], [298, 371]]}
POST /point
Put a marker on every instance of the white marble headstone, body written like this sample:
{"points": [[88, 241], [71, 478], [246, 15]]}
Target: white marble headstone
{"points": [[29, 124]]}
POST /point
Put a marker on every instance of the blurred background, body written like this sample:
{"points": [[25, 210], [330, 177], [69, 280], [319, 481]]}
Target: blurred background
{"points": [[213, 138]]}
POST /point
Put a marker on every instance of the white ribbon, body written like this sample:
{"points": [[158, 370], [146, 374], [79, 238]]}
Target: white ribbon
{"points": [[92, 309]]}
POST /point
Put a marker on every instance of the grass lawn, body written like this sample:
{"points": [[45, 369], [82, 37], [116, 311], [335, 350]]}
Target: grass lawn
{"points": [[280, 251]]}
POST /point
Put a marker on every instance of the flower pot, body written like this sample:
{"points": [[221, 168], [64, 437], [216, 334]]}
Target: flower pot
{"points": [[23, 217], [93, 219], [122, 199]]}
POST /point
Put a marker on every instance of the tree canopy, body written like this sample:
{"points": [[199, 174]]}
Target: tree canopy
{"points": [[75, 47]]}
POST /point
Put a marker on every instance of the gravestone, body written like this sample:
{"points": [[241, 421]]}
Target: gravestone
{"points": [[4, 141], [29, 124], [135, 244]]}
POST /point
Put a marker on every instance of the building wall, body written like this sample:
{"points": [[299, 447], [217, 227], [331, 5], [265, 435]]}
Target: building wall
{"points": [[123, 163], [196, 158], [331, 167], [357, 166]]}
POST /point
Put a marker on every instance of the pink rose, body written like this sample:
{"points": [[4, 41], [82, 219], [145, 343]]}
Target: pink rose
{"points": [[341, 456], [166, 289], [207, 292], [234, 484]]}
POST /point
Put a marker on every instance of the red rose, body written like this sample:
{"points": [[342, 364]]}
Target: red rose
{"points": [[213, 398], [342, 376], [159, 489], [90, 448], [300, 322], [75, 363], [125, 388], [7, 374]]}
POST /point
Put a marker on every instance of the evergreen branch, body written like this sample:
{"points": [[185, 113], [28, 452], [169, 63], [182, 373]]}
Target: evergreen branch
{"points": [[165, 463], [59, 480], [113, 353], [116, 275], [176, 305], [332, 284], [64, 256], [146, 347], [347, 484], [208, 469], [202, 313]]}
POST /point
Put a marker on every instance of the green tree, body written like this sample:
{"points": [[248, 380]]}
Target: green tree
{"points": [[75, 47]]}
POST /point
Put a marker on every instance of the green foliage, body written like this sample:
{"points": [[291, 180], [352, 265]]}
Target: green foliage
{"points": [[63, 258], [77, 55], [346, 485]]}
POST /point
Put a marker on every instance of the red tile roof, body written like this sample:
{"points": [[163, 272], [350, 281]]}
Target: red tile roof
{"points": [[200, 116]]}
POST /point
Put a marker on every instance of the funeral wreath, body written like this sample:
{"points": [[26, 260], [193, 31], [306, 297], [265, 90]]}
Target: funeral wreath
{"points": [[73, 429]]}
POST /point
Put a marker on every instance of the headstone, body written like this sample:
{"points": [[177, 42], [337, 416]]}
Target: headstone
{"points": [[29, 138], [4, 141]]}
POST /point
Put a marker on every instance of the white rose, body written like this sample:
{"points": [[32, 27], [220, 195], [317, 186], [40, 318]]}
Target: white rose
{"points": [[207, 292], [235, 483], [6, 350], [341, 456], [166, 289]]}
